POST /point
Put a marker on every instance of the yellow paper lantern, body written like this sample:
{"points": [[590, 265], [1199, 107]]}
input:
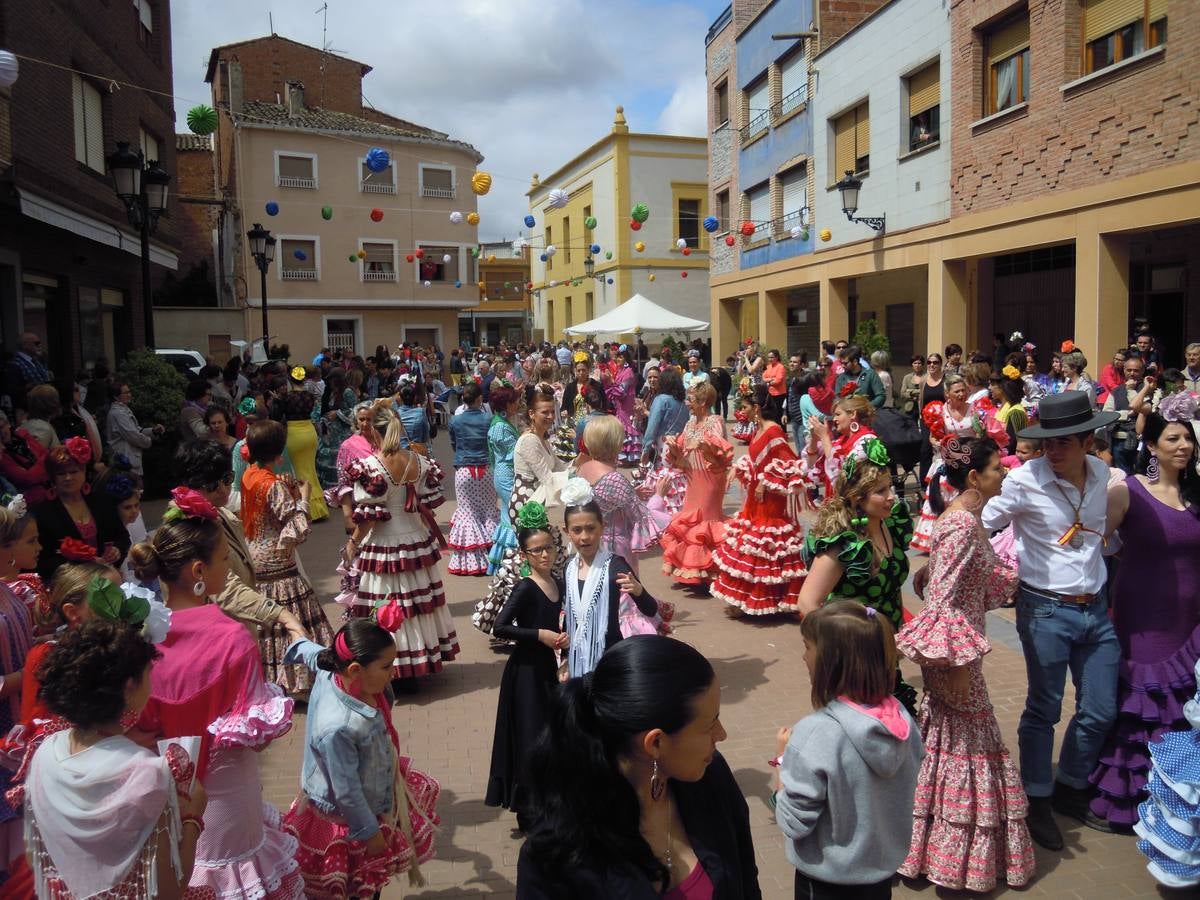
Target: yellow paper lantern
{"points": [[652, 276], [483, 285], [472, 218], [481, 183], [639, 246], [491, 257], [826, 234]]}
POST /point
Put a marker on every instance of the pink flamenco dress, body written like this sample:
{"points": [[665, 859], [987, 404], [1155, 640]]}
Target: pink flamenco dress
{"points": [[353, 449], [969, 812], [210, 683], [621, 393], [760, 567], [695, 533]]}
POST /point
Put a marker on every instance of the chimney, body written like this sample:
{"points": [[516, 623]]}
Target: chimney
{"points": [[295, 98], [235, 86]]}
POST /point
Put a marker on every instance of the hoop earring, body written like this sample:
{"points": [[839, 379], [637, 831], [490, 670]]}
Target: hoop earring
{"points": [[198, 588], [976, 501], [657, 785], [854, 426], [1152, 471]]}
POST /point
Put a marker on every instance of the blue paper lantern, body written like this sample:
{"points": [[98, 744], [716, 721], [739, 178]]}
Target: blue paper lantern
{"points": [[711, 224], [378, 159], [272, 208], [300, 254], [543, 257], [530, 221], [458, 284], [610, 281], [595, 248]]}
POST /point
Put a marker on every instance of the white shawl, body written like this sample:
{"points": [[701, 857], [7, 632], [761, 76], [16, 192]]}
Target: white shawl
{"points": [[587, 614]]}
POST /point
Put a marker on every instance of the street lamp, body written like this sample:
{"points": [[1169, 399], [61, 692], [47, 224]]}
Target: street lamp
{"points": [[849, 188], [589, 269], [142, 186], [262, 248]]}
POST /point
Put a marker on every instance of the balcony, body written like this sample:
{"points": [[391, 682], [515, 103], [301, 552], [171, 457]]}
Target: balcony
{"points": [[377, 187], [298, 274], [378, 276], [754, 127], [294, 182], [791, 102], [440, 193]]}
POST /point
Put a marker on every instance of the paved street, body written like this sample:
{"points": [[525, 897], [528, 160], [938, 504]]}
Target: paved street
{"points": [[447, 729]]}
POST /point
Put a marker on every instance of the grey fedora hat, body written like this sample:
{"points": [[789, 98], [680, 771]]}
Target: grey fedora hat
{"points": [[1067, 413]]}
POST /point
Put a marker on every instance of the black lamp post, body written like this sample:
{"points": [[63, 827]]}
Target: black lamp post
{"points": [[262, 248], [142, 186], [849, 187], [589, 269]]}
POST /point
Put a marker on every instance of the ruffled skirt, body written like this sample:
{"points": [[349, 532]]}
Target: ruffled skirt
{"points": [[922, 539], [661, 486], [293, 592], [1169, 819], [474, 522], [759, 566], [504, 538]]}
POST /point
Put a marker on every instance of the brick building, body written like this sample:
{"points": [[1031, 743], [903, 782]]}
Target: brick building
{"points": [[70, 267]]}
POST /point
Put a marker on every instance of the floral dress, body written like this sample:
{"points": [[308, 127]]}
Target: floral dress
{"points": [[969, 814]]}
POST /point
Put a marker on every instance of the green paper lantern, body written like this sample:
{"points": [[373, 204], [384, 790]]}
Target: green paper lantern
{"points": [[589, 222], [608, 255], [353, 257], [202, 119], [640, 212], [326, 213]]}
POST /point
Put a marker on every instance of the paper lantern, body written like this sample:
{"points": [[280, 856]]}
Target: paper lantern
{"points": [[711, 224], [475, 252], [458, 284], [377, 215], [826, 234], [686, 251], [362, 254], [529, 285], [491, 257], [608, 255], [639, 246], [326, 213], [272, 208], [408, 257], [640, 212], [446, 257], [589, 222], [530, 221], [595, 248], [201, 119], [683, 274], [456, 218], [481, 183], [652, 276], [557, 199], [482, 286], [729, 240], [507, 285], [551, 250], [300, 255], [353, 257], [635, 225], [543, 257], [472, 218], [419, 253], [797, 231], [681, 243], [554, 284], [747, 228], [804, 234], [9, 68], [610, 281], [378, 159], [428, 283]]}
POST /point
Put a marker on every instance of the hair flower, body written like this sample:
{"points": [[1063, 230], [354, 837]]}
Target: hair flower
{"points": [[581, 356], [16, 505], [577, 492], [876, 452], [248, 406], [1010, 371], [1016, 336], [848, 389], [1178, 407], [1029, 346], [244, 453], [121, 461], [187, 503], [80, 449], [298, 373], [1068, 346], [75, 550], [532, 515], [120, 487], [157, 621]]}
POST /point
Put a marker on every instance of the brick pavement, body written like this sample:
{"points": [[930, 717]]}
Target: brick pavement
{"points": [[447, 729]]}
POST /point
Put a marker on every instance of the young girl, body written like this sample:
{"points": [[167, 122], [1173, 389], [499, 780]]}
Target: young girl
{"points": [[595, 580], [853, 761], [365, 814], [532, 618], [20, 548], [16, 639], [119, 490]]}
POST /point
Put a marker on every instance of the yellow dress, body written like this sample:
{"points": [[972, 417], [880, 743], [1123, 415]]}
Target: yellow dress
{"points": [[302, 448]]}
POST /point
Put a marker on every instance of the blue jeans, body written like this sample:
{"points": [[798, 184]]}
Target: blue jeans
{"points": [[797, 428], [1058, 636]]}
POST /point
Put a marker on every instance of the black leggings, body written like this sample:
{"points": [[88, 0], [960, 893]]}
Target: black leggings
{"points": [[722, 405], [812, 889]]}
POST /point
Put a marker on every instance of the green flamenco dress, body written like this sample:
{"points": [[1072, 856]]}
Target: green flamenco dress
{"points": [[879, 589]]}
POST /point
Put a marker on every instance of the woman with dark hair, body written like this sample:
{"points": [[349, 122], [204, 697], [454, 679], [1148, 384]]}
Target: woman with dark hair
{"points": [[42, 404], [502, 437], [1158, 514], [74, 524], [969, 816], [125, 436], [411, 410], [296, 408], [23, 461], [573, 405], [196, 397], [628, 794], [760, 569], [620, 389], [532, 619], [18, 543], [75, 421], [932, 390], [1008, 392], [662, 483], [337, 418], [476, 515], [218, 418]]}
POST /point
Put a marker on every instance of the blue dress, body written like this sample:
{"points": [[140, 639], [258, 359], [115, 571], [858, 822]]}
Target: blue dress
{"points": [[502, 440]]}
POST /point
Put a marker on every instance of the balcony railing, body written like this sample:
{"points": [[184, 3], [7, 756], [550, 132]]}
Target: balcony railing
{"points": [[378, 276], [299, 274], [339, 340], [377, 187], [293, 181], [754, 126], [792, 101], [441, 193]]}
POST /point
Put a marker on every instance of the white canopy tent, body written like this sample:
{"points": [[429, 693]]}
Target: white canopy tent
{"points": [[635, 316]]}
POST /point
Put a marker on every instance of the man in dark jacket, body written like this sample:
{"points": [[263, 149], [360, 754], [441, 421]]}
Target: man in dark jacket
{"points": [[868, 383]]}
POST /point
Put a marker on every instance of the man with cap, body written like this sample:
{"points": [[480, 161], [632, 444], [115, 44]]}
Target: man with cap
{"points": [[1058, 506]]}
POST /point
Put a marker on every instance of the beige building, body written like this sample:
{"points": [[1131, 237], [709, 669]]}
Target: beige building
{"points": [[362, 257]]}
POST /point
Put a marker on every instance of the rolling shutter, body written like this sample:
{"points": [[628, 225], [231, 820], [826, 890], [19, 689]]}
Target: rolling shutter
{"points": [[1101, 17], [378, 253], [795, 189], [758, 100], [1006, 41], [862, 132], [791, 74], [924, 90], [1158, 10], [760, 207], [295, 167], [843, 135]]}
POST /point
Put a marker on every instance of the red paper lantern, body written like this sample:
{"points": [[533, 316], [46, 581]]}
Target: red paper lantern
{"points": [[747, 228], [687, 251], [419, 254], [635, 225], [529, 285], [729, 240], [408, 257], [683, 274], [377, 215]]}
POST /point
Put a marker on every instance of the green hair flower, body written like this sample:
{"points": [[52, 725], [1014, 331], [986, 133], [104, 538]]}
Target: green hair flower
{"points": [[108, 601], [876, 451], [532, 515]]}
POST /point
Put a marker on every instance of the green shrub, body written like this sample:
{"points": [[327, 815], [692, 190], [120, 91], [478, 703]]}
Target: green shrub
{"points": [[156, 386], [868, 337]]}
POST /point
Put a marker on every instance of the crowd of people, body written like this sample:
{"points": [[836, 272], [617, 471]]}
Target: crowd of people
{"points": [[142, 668]]}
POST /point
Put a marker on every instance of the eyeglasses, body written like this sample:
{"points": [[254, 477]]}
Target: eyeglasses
{"points": [[538, 551]]}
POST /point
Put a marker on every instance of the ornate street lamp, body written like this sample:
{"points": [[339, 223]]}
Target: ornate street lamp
{"points": [[262, 248], [849, 188], [142, 186]]}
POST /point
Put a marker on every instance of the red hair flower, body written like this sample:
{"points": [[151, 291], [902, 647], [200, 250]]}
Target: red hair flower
{"points": [[390, 617], [75, 550], [245, 452], [932, 416], [848, 389], [1068, 346], [80, 449], [191, 503]]}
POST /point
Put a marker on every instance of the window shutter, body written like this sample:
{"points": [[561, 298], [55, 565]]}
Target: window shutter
{"points": [[295, 167], [1101, 17], [791, 74], [146, 15], [378, 253], [795, 188], [93, 112], [436, 178], [843, 157], [80, 119], [862, 131], [760, 207], [1006, 41], [1158, 10], [759, 100], [924, 90], [149, 146]]}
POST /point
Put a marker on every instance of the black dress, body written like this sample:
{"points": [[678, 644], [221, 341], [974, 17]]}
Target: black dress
{"points": [[928, 394], [529, 677]]}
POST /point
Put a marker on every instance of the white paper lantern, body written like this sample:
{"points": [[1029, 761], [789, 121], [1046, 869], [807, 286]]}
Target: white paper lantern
{"points": [[446, 258], [796, 231], [554, 284], [456, 217], [551, 250], [558, 198], [681, 243], [428, 283], [8, 69]]}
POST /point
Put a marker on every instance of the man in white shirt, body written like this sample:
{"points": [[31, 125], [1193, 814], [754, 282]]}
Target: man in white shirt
{"points": [[1058, 507]]}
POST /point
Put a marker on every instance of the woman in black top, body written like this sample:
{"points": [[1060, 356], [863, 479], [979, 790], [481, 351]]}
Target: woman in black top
{"points": [[629, 796], [932, 389], [93, 525]]}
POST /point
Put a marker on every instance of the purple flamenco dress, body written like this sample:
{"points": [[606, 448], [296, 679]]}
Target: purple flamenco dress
{"points": [[1156, 613]]}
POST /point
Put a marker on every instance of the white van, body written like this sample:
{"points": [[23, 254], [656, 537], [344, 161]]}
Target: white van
{"points": [[187, 362]]}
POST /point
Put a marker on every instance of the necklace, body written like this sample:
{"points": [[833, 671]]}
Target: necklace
{"points": [[1073, 536]]}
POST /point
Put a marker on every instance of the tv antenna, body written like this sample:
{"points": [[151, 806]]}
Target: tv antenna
{"points": [[323, 9]]}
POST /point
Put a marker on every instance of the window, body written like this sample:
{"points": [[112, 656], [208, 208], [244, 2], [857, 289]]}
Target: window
{"points": [[223, 77], [1114, 30], [298, 259], [379, 264], [924, 98], [89, 124], [296, 170], [793, 82], [149, 145], [793, 184], [145, 16], [566, 247], [758, 112], [852, 142], [758, 201], [721, 103], [723, 210], [437, 182], [433, 267], [688, 222], [1008, 64], [376, 182]]}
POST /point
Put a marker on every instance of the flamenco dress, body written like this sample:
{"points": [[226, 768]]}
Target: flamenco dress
{"points": [[760, 568], [502, 442], [942, 424], [970, 806], [697, 530], [621, 393], [302, 450], [743, 429]]}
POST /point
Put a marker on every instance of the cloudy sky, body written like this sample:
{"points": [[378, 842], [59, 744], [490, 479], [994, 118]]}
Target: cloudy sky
{"points": [[527, 83]]}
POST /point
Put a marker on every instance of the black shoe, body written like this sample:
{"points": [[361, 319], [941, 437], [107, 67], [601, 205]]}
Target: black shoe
{"points": [[1076, 804], [1042, 827]]}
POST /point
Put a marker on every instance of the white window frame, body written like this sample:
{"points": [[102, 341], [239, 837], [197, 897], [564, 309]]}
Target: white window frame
{"points": [[362, 263], [144, 138], [358, 329], [362, 161], [79, 88], [421, 167], [464, 257], [315, 238], [301, 155]]}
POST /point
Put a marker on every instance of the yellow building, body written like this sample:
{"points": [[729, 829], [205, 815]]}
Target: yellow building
{"points": [[604, 182], [502, 313]]}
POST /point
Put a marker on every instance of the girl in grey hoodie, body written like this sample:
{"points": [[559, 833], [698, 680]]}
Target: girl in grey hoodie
{"points": [[849, 770]]}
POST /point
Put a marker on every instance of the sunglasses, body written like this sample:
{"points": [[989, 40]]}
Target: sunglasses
{"points": [[933, 362]]}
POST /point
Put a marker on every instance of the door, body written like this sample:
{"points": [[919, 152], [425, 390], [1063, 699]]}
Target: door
{"points": [[424, 337]]}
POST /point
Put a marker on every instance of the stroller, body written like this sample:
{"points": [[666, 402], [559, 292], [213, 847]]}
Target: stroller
{"points": [[902, 438]]}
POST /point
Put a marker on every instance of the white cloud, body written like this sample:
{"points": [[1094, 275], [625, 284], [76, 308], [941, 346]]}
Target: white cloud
{"points": [[687, 110]]}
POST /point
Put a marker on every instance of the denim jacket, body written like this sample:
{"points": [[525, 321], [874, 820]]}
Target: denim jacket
{"points": [[667, 417], [468, 437], [349, 762]]}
